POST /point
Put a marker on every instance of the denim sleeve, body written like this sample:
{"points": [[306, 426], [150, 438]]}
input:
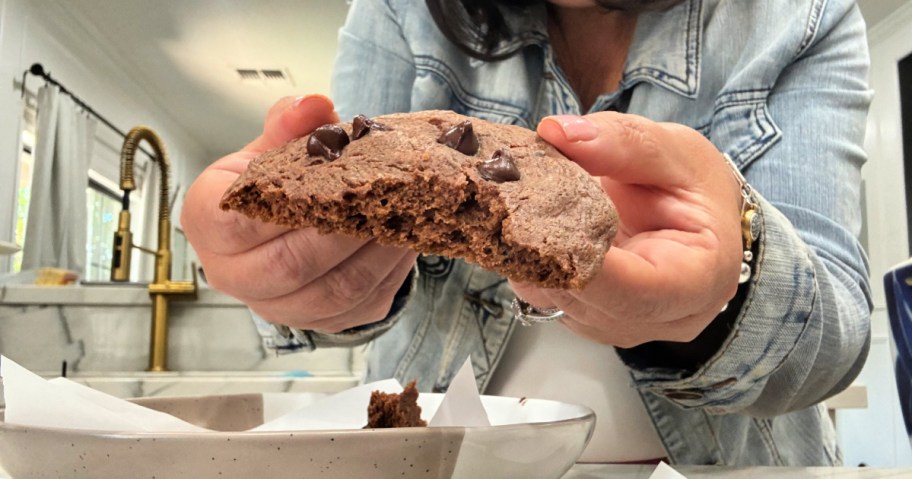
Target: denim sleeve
{"points": [[803, 331], [374, 69]]}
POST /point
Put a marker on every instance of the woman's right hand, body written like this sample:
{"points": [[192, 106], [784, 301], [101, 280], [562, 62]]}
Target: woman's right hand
{"points": [[296, 277]]}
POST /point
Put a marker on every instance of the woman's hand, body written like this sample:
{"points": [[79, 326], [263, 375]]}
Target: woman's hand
{"points": [[296, 277], [677, 256]]}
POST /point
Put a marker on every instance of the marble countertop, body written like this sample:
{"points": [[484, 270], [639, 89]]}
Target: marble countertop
{"points": [[599, 471], [101, 294]]}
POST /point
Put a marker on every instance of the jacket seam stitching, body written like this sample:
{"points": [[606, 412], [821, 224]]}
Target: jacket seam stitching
{"points": [[766, 434], [813, 26]]}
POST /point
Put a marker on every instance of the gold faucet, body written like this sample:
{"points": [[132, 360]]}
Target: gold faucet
{"points": [[162, 289]]}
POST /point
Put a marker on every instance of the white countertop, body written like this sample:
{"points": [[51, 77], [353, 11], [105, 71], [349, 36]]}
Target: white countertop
{"points": [[593, 471]]}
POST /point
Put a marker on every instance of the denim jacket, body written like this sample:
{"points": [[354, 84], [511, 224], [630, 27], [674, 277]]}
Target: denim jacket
{"points": [[778, 85]]}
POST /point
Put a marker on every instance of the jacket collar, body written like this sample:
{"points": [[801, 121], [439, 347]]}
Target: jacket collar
{"points": [[665, 50]]}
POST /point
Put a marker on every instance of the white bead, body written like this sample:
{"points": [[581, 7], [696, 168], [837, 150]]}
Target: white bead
{"points": [[745, 273]]}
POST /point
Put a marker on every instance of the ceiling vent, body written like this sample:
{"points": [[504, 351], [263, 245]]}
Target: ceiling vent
{"points": [[273, 75], [265, 76]]}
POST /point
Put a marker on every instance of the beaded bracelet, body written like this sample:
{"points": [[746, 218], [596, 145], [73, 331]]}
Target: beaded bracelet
{"points": [[750, 221]]}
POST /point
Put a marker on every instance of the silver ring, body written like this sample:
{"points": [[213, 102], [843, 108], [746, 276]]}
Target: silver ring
{"points": [[529, 315]]}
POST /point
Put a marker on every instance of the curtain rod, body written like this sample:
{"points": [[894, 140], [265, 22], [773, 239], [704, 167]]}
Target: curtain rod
{"points": [[38, 70]]}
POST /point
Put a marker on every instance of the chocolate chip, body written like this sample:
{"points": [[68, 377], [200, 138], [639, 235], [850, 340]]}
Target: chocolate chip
{"points": [[499, 168], [362, 125], [327, 141], [461, 138]]}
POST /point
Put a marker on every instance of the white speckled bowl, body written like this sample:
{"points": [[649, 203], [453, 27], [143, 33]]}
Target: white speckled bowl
{"points": [[544, 441]]}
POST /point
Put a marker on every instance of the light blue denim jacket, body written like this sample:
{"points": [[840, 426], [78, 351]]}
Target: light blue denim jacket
{"points": [[778, 85]]}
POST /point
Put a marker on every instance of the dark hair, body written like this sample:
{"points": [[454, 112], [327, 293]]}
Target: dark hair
{"points": [[478, 26]]}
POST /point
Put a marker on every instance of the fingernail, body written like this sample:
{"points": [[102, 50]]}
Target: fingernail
{"points": [[298, 100], [575, 127]]}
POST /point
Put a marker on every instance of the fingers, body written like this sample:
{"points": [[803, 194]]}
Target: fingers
{"points": [[358, 291], [629, 327], [289, 276], [280, 265], [626, 335], [618, 327], [676, 198], [651, 280], [292, 118]]}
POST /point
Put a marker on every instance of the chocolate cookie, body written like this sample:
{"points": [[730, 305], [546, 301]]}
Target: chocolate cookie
{"points": [[439, 183]]}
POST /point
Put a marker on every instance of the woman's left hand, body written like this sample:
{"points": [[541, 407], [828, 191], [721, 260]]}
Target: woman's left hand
{"points": [[677, 256]]}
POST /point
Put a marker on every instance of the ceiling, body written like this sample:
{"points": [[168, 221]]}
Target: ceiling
{"points": [[876, 11], [186, 54]]}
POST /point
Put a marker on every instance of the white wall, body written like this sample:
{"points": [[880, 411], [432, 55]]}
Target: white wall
{"points": [[41, 32], [875, 436]]}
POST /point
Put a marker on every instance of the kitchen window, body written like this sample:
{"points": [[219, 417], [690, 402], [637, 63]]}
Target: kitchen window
{"points": [[24, 180], [103, 202], [23, 191], [103, 206]]}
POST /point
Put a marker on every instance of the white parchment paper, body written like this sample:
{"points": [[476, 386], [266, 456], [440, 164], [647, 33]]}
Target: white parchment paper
{"points": [[63, 404]]}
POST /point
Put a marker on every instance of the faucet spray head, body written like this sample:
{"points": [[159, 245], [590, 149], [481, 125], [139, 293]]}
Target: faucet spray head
{"points": [[123, 249]]}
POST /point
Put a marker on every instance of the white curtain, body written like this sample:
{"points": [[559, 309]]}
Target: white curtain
{"points": [[56, 229]]}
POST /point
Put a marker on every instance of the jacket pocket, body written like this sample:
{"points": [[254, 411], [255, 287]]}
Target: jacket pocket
{"points": [[742, 127]]}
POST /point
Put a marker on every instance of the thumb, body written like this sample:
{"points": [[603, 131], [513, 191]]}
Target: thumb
{"points": [[291, 118], [629, 148], [212, 231]]}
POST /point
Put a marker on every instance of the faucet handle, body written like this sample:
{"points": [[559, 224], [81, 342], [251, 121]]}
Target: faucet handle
{"points": [[186, 289]]}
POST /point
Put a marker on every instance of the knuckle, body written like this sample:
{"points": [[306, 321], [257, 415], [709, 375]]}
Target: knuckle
{"points": [[288, 267], [349, 284], [635, 131], [294, 258]]}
